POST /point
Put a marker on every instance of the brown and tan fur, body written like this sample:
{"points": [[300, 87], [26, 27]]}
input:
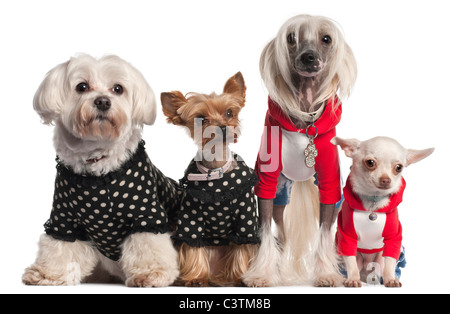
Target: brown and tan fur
{"points": [[223, 265]]}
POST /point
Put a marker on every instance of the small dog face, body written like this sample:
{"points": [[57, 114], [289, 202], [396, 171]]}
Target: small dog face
{"points": [[95, 99], [307, 47], [310, 47], [210, 119], [378, 163]]}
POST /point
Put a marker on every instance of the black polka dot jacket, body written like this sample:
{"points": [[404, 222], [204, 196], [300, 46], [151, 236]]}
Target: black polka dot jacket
{"points": [[107, 209], [218, 212]]}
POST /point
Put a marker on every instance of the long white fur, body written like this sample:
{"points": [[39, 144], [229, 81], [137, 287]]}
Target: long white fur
{"points": [[265, 268], [61, 263], [309, 255], [147, 259], [325, 260], [301, 223], [56, 102], [275, 68]]}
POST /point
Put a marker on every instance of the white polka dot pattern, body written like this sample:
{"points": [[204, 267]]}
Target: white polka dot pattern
{"points": [[219, 212], [107, 210]]}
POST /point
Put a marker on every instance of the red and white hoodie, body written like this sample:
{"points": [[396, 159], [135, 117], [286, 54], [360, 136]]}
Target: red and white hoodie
{"points": [[357, 233], [282, 151]]}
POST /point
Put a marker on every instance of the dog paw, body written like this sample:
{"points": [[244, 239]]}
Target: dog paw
{"points": [[353, 283], [256, 283], [324, 282], [150, 280], [197, 283], [393, 283], [34, 277], [329, 281]]}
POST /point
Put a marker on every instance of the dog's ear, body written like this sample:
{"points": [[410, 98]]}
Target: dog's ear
{"points": [[50, 96], [143, 97], [348, 146], [171, 103], [144, 111], [236, 86], [413, 156], [347, 72], [268, 65]]}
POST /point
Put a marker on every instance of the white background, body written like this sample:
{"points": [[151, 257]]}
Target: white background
{"points": [[402, 50]]}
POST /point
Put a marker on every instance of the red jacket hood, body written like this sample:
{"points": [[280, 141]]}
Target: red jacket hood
{"points": [[327, 121], [355, 202]]}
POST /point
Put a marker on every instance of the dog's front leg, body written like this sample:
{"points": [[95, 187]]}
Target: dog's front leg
{"points": [[149, 260], [325, 260], [353, 275], [265, 267], [328, 215], [265, 207], [61, 263], [389, 278], [278, 217]]}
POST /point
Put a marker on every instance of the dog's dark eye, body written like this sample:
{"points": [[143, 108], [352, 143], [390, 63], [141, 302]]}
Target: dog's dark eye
{"points": [[82, 87], [398, 168], [118, 89], [371, 164], [292, 39], [327, 39], [229, 113]]}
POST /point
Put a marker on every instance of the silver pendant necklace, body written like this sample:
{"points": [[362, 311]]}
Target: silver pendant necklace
{"points": [[311, 151]]}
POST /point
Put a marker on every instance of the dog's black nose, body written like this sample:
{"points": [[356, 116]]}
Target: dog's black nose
{"points": [[308, 58], [102, 103]]}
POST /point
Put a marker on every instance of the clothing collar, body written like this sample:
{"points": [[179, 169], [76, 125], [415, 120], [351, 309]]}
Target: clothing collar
{"points": [[310, 117], [330, 117], [373, 199], [355, 201], [89, 180], [209, 174], [233, 185], [241, 168]]}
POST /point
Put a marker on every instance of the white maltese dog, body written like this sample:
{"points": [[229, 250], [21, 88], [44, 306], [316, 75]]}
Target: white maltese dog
{"points": [[111, 204]]}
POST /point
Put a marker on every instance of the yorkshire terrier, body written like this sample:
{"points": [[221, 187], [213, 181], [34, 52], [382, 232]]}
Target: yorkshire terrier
{"points": [[110, 206], [217, 224]]}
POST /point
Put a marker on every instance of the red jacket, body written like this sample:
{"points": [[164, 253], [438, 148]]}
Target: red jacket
{"points": [[269, 164], [356, 233]]}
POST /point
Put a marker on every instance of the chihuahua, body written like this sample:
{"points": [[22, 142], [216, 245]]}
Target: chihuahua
{"points": [[217, 224], [369, 235]]}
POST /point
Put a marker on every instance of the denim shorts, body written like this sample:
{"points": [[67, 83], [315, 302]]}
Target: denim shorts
{"points": [[284, 191]]}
